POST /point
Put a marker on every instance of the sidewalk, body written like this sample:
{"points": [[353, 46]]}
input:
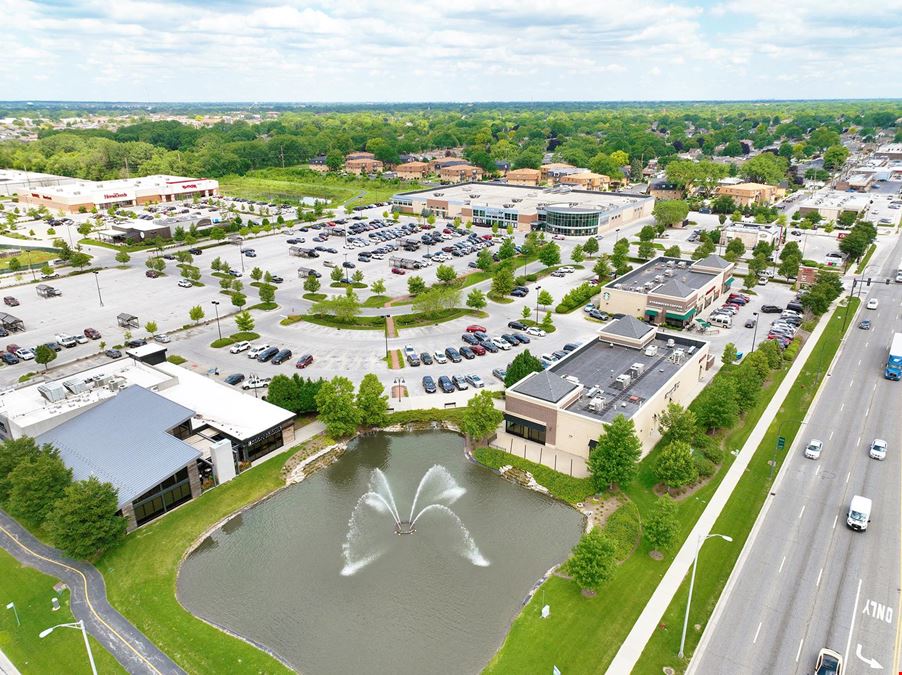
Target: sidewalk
{"points": [[6, 666], [645, 626]]}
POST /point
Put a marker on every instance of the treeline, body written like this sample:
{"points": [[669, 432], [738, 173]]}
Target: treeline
{"points": [[603, 138]]}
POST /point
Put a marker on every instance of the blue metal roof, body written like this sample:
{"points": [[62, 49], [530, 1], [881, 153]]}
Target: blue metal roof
{"points": [[124, 441]]}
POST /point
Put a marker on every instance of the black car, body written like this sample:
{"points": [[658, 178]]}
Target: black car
{"points": [[195, 251], [444, 383], [490, 346], [281, 357], [522, 289], [136, 342], [9, 359], [413, 360], [267, 354], [516, 325], [429, 384], [347, 264], [771, 309], [426, 358], [55, 346], [467, 353], [559, 354], [511, 340], [234, 378], [570, 346], [522, 339], [469, 338], [453, 354], [276, 279], [518, 293], [113, 353]]}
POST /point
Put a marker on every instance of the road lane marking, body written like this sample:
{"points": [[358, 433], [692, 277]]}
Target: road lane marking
{"points": [[802, 511], [835, 518], [852, 627], [817, 584], [782, 562], [799, 652], [755, 639]]}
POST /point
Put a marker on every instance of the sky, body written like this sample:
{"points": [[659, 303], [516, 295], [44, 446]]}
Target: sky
{"points": [[441, 50]]}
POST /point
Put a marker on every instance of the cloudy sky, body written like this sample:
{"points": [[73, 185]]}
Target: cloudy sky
{"points": [[441, 50]]}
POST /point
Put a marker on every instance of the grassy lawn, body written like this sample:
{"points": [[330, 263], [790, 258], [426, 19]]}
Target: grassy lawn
{"points": [[314, 297], [63, 651], [376, 301], [530, 323], [584, 634], [378, 323], [29, 258], [141, 576], [866, 259], [560, 485], [741, 511]]}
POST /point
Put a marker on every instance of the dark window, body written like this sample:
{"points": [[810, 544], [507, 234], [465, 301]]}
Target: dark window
{"points": [[523, 431], [167, 495]]}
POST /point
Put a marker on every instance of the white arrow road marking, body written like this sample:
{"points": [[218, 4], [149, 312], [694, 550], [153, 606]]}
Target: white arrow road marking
{"points": [[873, 663]]}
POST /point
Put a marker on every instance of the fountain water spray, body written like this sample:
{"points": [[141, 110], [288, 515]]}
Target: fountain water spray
{"points": [[437, 490]]}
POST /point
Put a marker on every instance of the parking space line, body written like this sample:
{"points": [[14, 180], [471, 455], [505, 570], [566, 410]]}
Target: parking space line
{"points": [[831, 436], [835, 519], [848, 476], [802, 511], [755, 639], [782, 562], [799, 652], [817, 584]]}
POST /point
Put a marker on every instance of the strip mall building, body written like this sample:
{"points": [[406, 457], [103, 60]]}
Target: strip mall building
{"points": [[101, 195]]}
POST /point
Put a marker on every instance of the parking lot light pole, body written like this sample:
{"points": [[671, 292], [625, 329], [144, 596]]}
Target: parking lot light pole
{"points": [[97, 281], [755, 332], [385, 316], [216, 309], [78, 625], [538, 288], [701, 540]]}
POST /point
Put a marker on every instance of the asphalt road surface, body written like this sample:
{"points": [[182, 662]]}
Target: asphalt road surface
{"points": [[809, 581]]}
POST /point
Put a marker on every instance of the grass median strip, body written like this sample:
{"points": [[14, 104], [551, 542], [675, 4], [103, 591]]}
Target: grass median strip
{"points": [[741, 511]]}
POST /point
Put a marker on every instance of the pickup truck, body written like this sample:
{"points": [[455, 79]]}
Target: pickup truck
{"points": [[256, 382]]}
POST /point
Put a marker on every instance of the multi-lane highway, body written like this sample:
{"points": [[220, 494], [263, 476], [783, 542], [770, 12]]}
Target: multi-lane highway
{"points": [[808, 581]]}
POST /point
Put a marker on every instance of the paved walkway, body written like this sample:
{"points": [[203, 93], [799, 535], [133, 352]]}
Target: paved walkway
{"points": [[645, 626], [88, 601]]}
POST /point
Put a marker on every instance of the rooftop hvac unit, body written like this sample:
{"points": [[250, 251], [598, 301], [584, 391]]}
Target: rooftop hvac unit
{"points": [[593, 391], [670, 343], [117, 383], [597, 403], [623, 381], [76, 385], [658, 278], [52, 391], [572, 378], [669, 263], [618, 285], [517, 200], [508, 206], [636, 369], [681, 264], [651, 350], [678, 356], [691, 350], [668, 273]]}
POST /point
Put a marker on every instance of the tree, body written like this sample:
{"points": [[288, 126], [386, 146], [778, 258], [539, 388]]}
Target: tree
{"points": [[675, 466], [613, 460], [244, 321], [44, 355], [84, 522], [765, 168], [12, 453], [662, 526], [196, 313], [854, 244], [267, 293], [225, 283], [789, 267], [476, 299], [378, 287], [415, 285], [217, 233], [334, 160], [669, 212], [239, 299], [577, 255], [673, 252], [357, 277], [507, 249], [14, 265], [677, 423], [590, 248], [547, 323], [550, 254], [35, 484], [750, 280], [619, 255], [716, 407], [705, 249], [592, 561], [545, 298], [480, 418], [646, 250], [84, 229], [648, 233], [445, 274], [256, 274], [735, 250], [337, 274], [437, 299], [372, 402], [523, 364], [311, 284], [484, 260], [503, 281], [729, 355], [344, 308], [791, 250], [337, 411], [602, 267], [526, 312], [151, 327]]}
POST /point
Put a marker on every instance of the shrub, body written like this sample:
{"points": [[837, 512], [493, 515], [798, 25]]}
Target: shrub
{"points": [[705, 467], [532, 277], [792, 350], [709, 448], [577, 297], [222, 342], [623, 528]]}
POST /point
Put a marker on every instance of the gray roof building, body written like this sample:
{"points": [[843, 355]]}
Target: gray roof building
{"points": [[674, 287], [628, 327], [545, 386], [715, 261], [125, 441]]}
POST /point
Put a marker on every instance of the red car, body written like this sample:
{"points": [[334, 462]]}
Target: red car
{"points": [[304, 361], [476, 329], [479, 350], [92, 333], [487, 237], [12, 348], [397, 270]]}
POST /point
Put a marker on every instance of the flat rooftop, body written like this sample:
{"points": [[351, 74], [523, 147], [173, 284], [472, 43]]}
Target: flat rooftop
{"points": [[597, 365], [145, 184], [653, 275], [525, 199], [834, 199]]}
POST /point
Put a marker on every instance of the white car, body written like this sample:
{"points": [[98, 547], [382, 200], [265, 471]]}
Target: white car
{"points": [[244, 345], [66, 340], [872, 303], [410, 351], [25, 354], [566, 269], [440, 357], [878, 449], [255, 351], [184, 283], [162, 338], [537, 332], [501, 344], [475, 381], [256, 383], [813, 451]]}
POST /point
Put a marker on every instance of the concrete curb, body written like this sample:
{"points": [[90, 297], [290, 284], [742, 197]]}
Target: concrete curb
{"points": [[631, 649]]}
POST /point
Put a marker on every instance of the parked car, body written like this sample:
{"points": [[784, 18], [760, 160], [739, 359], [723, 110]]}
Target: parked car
{"points": [[398, 270], [501, 344], [162, 338], [500, 373], [135, 342], [234, 378], [276, 279], [511, 340], [460, 382], [750, 322], [304, 361], [254, 352], [267, 354], [10, 301], [516, 325], [475, 328], [519, 293], [475, 381], [537, 332], [489, 346], [112, 353], [153, 274], [453, 355], [255, 382], [413, 360], [92, 333], [184, 283], [426, 358], [242, 346], [467, 353], [770, 309], [67, 341], [281, 357], [469, 338], [429, 384], [440, 357], [445, 384], [522, 339], [9, 359], [478, 349]]}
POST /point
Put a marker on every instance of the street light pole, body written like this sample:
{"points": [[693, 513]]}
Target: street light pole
{"points": [[78, 625], [538, 288], [385, 316], [97, 281], [216, 309], [701, 540], [755, 332]]}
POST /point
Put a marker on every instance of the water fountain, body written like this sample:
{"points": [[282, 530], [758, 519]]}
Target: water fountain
{"points": [[437, 490]]}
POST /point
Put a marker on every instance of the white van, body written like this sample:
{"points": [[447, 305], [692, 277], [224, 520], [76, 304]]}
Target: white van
{"points": [[722, 320], [859, 513]]}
